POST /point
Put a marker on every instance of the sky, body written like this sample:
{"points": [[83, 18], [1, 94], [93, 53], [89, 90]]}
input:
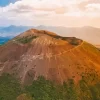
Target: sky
{"points": [[68, 13]]}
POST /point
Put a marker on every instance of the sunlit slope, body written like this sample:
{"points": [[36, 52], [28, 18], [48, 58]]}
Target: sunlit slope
{"points": [[41, 53]]}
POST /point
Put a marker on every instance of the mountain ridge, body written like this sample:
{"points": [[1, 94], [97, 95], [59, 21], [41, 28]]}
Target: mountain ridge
{"points": [[42, 53], [87, 33]]}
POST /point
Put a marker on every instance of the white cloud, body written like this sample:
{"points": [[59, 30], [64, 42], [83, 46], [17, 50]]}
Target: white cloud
{"points": [[43, 11], [93, 7]]}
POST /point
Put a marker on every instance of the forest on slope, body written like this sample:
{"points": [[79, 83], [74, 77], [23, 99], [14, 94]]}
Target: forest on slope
{"points": [[42, 89]]}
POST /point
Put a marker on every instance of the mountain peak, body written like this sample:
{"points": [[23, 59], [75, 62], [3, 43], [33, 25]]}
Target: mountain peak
{"points": [[46, 37], [36, 32], [41, 53]]}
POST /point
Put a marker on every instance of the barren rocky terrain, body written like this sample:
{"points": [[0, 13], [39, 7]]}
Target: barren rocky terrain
{"points": [[41, 53]]}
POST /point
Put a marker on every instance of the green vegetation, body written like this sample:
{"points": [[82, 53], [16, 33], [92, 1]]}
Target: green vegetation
{"points": [[26, 39], [71, 40], [42, 89], [74, 42], [9, 88], [24, 97]]}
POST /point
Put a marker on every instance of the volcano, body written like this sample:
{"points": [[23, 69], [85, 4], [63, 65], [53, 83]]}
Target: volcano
{"points": [[41, 53]]}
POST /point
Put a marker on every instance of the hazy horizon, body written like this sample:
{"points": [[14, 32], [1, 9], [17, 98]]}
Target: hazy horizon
{"points": [[48, 26]]}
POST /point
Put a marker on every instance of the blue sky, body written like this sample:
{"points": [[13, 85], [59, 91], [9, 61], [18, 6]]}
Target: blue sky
{"points": [[6, 2]]}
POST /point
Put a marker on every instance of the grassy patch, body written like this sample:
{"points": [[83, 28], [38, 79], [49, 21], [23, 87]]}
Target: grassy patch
{"points": [[26, 39]]}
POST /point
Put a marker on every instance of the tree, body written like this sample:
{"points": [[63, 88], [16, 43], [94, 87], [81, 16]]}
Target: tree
{"points": [[9, 87]]}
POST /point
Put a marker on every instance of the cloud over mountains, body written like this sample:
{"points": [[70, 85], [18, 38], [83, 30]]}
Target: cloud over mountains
{"points": [[39, 11]]}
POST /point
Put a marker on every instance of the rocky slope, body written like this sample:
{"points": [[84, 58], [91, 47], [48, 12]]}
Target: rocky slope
{"points": [[41, 53]]}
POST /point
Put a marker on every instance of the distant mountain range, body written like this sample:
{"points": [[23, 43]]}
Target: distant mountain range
{"points": [[87, 33], [12, 30], [6, 33]]}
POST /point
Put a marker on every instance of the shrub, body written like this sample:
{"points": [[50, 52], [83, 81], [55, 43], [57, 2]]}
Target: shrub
{"points": [[26, 39]]}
